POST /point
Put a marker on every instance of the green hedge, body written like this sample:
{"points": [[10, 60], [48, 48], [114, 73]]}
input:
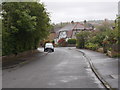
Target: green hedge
{"points": [[72, 41]]}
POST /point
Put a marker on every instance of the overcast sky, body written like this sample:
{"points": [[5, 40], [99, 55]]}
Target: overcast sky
{"points": [[79, 10]]}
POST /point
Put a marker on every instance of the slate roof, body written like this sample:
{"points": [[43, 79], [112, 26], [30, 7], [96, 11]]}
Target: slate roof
{"points": [[73, 26], [78, 26], [67, 27]]}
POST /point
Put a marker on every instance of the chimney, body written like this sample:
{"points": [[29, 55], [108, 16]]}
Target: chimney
{"points": [[72, 22], [85, 21]]}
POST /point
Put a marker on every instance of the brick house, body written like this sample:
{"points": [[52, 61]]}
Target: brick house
{"points": [[70, 30]]}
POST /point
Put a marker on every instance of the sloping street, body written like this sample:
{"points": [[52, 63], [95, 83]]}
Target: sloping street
{"points": [[60, 44], [64, 68]]}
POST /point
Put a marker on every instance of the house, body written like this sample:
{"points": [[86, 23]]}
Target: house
{"points": [[70, 30]]}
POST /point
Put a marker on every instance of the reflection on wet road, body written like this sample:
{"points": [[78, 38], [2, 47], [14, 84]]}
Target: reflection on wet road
{"points": [[65, 68]]}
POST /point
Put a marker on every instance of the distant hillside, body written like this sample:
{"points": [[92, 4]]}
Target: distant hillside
{"points": [[95, 23]]}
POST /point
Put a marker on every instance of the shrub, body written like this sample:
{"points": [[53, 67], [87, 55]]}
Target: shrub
{"points": [[104, 37], [96, 37], [82, 37], [92, 46], [72, 41], [62, 42]]}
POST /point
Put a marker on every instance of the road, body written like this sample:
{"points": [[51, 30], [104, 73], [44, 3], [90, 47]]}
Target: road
{"points": [[64, 68]]}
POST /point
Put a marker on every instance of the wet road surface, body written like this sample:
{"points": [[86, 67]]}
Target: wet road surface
{"points": [[64, 68], [107, 67]]}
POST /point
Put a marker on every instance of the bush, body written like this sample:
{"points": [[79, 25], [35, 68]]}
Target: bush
{"points": [[72, 41], [92, 46], [97, 38], [82, 37], [62, 42], [104, 37]]}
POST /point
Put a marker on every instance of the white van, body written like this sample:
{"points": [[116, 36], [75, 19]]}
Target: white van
{"points": [[48, 47]]}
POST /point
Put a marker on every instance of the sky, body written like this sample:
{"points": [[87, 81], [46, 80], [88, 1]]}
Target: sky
{"points": [[79, 10]]}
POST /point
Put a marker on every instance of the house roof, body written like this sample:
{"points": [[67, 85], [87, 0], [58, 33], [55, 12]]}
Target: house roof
{"points": [[78, 26], [74, 26], [67, 27]]}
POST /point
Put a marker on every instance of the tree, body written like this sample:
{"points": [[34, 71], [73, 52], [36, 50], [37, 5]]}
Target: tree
{"points": [[82, 38], [25, 24]]}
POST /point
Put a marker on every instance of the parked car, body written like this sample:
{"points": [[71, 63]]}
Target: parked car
{"points": [[48, 47]]}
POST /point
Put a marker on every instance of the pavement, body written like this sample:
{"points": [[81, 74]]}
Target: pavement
{"points": [[106, 67]]}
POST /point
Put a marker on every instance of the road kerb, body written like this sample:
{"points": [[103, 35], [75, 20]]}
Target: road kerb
{"points": [[105, 83]]}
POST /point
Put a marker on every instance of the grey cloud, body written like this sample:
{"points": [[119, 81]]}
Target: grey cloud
{"points": [[75, 10]]}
